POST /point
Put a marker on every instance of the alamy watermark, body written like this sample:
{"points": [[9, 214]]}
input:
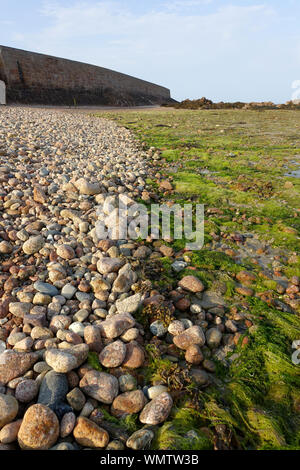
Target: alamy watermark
{"points": [[296, 353], [121, 218]]}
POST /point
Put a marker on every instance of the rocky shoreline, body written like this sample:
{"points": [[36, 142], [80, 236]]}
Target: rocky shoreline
{"points": [[65, 294], [73, 347]]}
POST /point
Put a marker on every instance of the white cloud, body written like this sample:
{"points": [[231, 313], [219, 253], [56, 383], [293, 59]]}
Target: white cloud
{"points": [[182, 4]]}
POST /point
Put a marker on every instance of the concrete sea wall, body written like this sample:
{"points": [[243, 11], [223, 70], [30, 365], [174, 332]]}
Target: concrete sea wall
{"points": [[33, 78]]}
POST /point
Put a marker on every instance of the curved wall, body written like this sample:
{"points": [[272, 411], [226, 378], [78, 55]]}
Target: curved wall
{"points": [[33, 78]]}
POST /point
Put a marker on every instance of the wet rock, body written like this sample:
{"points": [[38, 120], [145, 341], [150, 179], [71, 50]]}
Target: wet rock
{"points": [[178, 266], [209, 365], [247, 291], [64, 446], [199, 376], [211, 299], [245, 277], [115, 445]]}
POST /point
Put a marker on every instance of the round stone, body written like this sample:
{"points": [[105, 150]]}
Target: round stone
{"points": [[128, 403], [67, 424], [191, 283], [158, 410], [53, 390], [116, 325], [65, 252], [41, 299], [127, 383], [9, 433], [20, 309], [140, 440], [60, 322], [100, 385], [87, 433], [176, 328], [76, 399], [135, 356], [113, 355], [115, 445], [40, 367], [15, 364], [6, 248], [8, 409], [213, 337], [68, 291], [193, 335], [33, 245], [156, 390], [200, 376], [193, 354], [92, 337], [39, 429], [45, 288], [26, 390], [86, 187], [158, 329], [109, 265], [130, 335], [78, 328], [60, 360]]}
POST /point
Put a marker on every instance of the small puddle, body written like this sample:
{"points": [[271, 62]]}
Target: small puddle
{"points": [[294, 173]]}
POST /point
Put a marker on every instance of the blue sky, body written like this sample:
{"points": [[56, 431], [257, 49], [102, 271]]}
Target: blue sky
{"points": [[223, 49]]}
